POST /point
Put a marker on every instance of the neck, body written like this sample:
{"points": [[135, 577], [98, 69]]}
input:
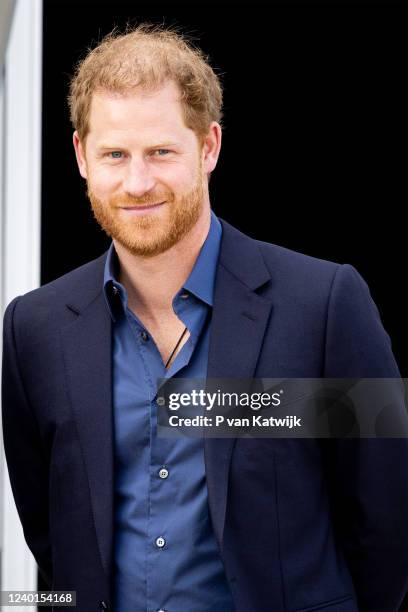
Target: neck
{"points": [[152, 282]]}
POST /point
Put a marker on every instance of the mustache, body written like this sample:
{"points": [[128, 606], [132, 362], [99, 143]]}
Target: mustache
{"points": [[125, 200]]}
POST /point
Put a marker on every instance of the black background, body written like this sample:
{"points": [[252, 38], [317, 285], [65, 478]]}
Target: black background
{"points": [[313, 155], [314, 141]]}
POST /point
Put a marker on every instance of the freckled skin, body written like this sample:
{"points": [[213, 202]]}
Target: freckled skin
{"points": [[138, 152]]}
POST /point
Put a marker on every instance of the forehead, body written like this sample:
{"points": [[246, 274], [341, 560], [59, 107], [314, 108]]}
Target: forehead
{"points": [[138, 112]]}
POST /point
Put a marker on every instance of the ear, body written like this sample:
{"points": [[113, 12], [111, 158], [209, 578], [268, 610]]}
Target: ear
{"points": [[211, 147], [80, 155]]}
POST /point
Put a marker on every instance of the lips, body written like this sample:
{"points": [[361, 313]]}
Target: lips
{"points": [[144, 207]]}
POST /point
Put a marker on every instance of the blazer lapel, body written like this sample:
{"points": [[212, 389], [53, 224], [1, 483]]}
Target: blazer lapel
{"points": [[87, 352], [239, 321]]}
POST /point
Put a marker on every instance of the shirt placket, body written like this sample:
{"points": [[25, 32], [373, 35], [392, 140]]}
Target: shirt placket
{"points": [[161, 494]]}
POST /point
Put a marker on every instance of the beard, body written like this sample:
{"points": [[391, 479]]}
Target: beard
{"points": [[151, 234]]}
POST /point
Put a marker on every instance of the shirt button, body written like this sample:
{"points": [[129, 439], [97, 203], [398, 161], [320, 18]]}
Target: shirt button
{"points": [[184, 296], [144, 335], [163, 473], [160, 542], [115, 290]]}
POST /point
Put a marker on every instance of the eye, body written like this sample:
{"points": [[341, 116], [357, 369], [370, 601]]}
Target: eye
{"points": [[116, 154], [162, 151]]}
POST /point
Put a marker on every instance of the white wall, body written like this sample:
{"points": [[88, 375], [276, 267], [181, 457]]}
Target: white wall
{"points": [[6, 15], [20, 183]]}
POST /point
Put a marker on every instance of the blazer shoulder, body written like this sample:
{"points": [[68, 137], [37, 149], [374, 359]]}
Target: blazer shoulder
{"points": [[298, 278], [85, 281], [280, 259], [282, 272], [256, 262]]}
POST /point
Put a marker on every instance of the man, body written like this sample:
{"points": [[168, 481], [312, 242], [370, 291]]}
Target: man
{"points": [[132, 521]]}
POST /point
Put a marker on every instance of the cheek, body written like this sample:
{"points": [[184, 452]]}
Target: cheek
{"points": [[182, 181], [104, 180]]}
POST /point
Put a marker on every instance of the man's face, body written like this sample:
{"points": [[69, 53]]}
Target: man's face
{"points": [[144, 168]]}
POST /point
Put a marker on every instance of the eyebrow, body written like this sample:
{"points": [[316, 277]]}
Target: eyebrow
{"points": [[160, 145]]}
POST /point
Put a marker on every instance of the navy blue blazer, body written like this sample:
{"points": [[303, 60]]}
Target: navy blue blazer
{"points": [[301, 524]]}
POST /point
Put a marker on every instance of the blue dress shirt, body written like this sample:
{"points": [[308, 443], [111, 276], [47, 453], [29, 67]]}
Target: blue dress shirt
{"points": [[166, 557]]}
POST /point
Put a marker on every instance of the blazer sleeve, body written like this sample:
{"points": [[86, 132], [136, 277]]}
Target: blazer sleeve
{"points": [[368, 478], [26, 458]]}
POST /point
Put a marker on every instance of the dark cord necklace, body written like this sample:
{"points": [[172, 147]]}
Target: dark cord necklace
{"points": [[175, 348]]}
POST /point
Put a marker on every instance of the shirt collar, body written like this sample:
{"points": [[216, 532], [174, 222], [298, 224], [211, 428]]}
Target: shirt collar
{"points": [[200, 282]]}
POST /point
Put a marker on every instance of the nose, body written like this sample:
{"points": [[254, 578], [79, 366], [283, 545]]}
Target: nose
{"points": [[138, 178]]}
